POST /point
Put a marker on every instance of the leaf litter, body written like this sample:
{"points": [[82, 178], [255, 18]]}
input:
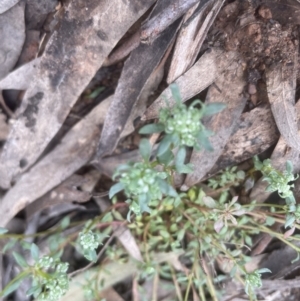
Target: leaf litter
{"points": [[243, 54]]}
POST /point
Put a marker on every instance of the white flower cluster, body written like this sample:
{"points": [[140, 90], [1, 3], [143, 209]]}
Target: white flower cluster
{"points": [[52, 285], [184, 122], [89, 240], [55, 288], [142, 179]]}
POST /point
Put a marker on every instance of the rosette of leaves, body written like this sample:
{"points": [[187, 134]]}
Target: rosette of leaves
{"points": [[278, 181], [142, 182], [253, 280], [183, 128]]}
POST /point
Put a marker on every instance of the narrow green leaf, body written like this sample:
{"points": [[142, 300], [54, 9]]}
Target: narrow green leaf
{"points": [[176, 93], [264, 270], [180, 157], [289, 166], [96, 92], [20, 260], [65, 222], [34, 251], [145, 149], [152, 128], [12, 286], [115, 189], [213, 108], [164, 145], [3, 230]]}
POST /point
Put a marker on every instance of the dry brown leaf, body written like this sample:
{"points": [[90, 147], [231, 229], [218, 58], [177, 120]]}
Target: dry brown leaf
{"points": [[37, 12], [195, 80], [281, 87], [72, 56], [7, 4], [165, 16], [191, 37], [136, 72], [4, 127], [66, 192], [255, 132], [19, 79], [12, 35], [228, 89], [75, 150]]}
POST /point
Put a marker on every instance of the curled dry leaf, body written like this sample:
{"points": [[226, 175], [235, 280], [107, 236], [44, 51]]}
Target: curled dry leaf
{"points": [[228, 89], [207, 68], [72, 56], [12, 35], [75, 150]]}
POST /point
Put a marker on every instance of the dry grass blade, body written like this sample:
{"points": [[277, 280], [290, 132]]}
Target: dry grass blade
{"points": [[73, 55]]}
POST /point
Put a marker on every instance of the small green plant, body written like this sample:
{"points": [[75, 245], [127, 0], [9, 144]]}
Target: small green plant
{"points": [[281, 182], [199, 227], [148, 181]]}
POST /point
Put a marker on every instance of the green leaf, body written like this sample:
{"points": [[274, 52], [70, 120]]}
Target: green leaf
{"points": [[96, 92], [91, 255], [264, 270], [145, 149], [290, 219], [9, 245], [35, 290], [152, 128], [167, 189], [213, 108], [296, 259], [180, 157], [209, 202], [289, 166], [13, 285], [166, 158], [115, 189], [34, 251], [143, 202], [176, 93], [65, 222], [203, 140], [164, 145], [3, 230], [20, 260]]}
